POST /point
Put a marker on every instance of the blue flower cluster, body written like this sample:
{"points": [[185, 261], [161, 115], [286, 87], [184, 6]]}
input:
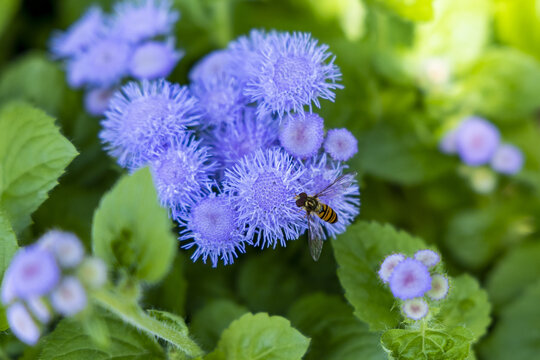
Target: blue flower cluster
{"points": [[477, 142], [229, 153], [49, 277], [100, 50], [410, 279]]}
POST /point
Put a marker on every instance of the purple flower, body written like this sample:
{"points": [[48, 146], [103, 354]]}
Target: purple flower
{"points": [[340, 144], [427, 257], [243, 54], [80, 35], [262, 187], [244, 136], [388, 265], [34, 272], [214, 65], [39, 309], [153, 59], [343, 198], [143, 19], [439, 287], [144, 119], [410, 279], [302, 135], [103, 64], [220, 99], [66, 247], [448, 145], [212, 227], [182, 173], [415, 309], [476, 141], [22, 324], [508, 159], [290, 72], [8, 288], [96, 101], [69, 297]]}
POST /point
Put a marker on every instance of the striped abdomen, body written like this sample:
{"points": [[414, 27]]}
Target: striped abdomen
{"points": [[327, 214]]}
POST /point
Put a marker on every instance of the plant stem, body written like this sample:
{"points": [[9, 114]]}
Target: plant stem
{"points": [[131, 313]]}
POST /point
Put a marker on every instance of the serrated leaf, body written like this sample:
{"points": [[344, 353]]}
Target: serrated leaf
{"points": [[69, 341], [359, 253], [8, 247], [516, 335], [414, 344], [209, 322], [467, 305], [132, 231], [415, 10], [260, 337], [33, 154], [513, 273], [336, 334]]}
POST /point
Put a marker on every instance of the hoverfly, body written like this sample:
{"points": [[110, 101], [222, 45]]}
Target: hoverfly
{"points": [[313, 205]]}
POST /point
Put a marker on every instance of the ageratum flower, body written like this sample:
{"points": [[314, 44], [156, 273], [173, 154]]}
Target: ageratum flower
{"points": [[388, 265], [343, 197], [340, 144], [22, 324], [415, 309], [83, 33], [243, 54], [410, 279], [66, 247], [302, 135], [143, 19], [96, 101], [242, 137], [439, 287], [427, 257], [476, 141], [144, 119], [93, 272], [39, 309], [218, 63], [182, 173], [262, 187], [212, 227], [69, 297], [290, 72], [154, 59], [508, 159]]}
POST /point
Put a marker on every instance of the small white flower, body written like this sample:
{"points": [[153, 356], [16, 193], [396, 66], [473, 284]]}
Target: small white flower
{"points": [[69, 297], [22, 325], [439, 287], [415, 309], [93, 272]]}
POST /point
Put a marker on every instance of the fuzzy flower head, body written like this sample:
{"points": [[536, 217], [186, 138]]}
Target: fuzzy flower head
{"points": [[69, 297], [154, 59], [80, 35], [144, 119], [212, 227], [33, 272], [343, 196], [22, 324], [415, 309], [439, 287], [93, 272], [508, 159], [388, 265], [476, 140], [243, 54], [410, 279], [242, 137], [181, 174], [290, 72], [66, 247], [340, 144], [427, 257], [96, 101], [302, 136], [261, 188], [143, 19], [214, 65]]}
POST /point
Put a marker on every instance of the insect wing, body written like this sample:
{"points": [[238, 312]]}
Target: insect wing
{"points": [[315, 237], [338, 185]]}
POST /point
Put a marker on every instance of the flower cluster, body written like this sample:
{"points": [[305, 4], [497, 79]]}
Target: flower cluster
{"points": [[230, 152], [49, 277], [477, 142], [410, 279], [100, 50]]}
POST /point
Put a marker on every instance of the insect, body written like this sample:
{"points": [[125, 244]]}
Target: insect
{"points": [[313, 205]]}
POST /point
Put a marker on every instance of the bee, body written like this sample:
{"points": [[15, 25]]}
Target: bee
{"points": [[312, 205]]}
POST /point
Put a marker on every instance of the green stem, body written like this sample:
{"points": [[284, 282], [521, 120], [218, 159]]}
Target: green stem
{"points": [[131, 313]]}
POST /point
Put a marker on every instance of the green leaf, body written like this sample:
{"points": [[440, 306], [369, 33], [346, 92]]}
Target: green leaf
{"points": [[69, 341], [415, 10], [33, 154], [8, 247], [7, 10], [467, 305], [414, 344], [209, 322], [516, 334], [336, 334], [172, 321], [359, 253], [513, 273], [260, 337], [132, 231]]}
